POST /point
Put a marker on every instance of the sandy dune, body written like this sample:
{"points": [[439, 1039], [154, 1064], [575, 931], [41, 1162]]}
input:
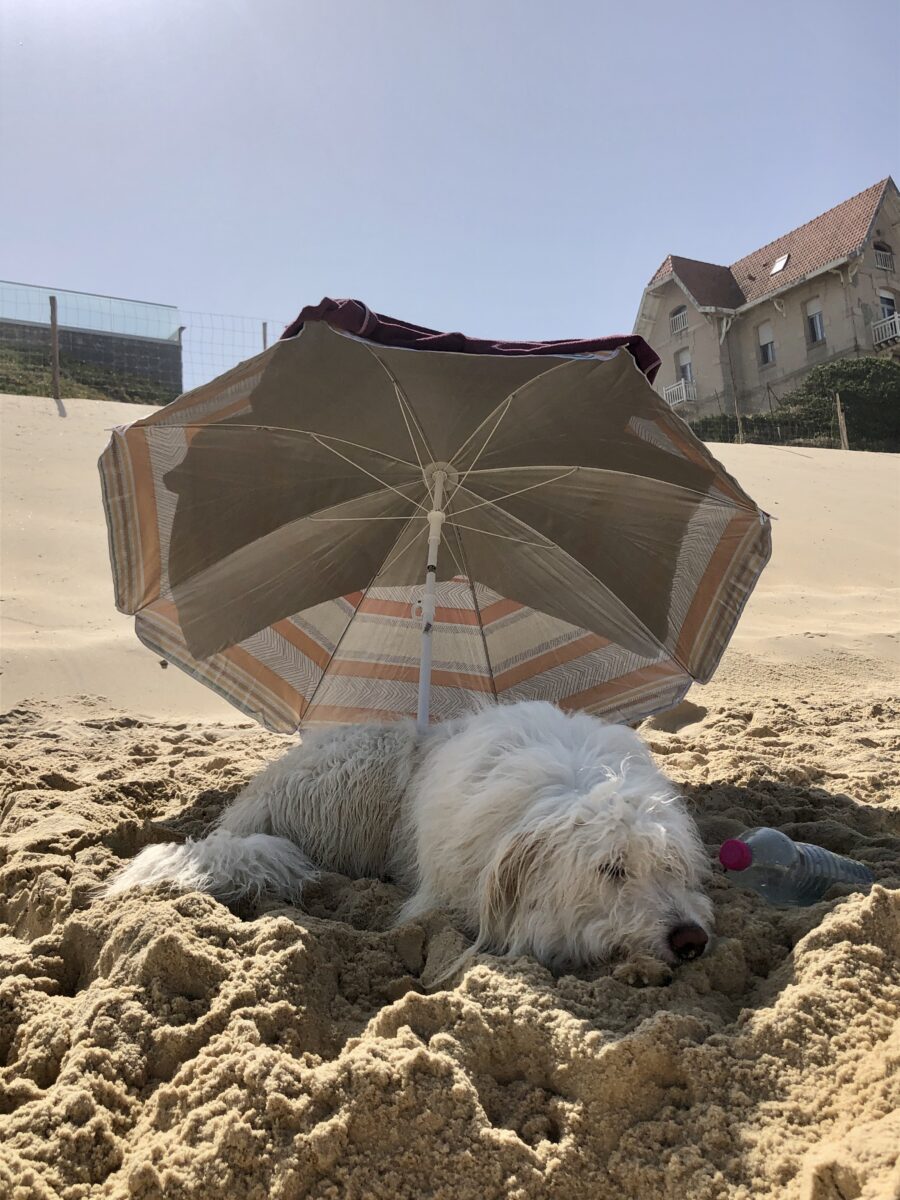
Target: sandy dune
{"points": [[156, 1046], [61, 632]]}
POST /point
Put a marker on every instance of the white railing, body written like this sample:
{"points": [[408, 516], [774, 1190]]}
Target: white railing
{"points": [[887, 330], [884, 260], [678, 322], [677, 393]]}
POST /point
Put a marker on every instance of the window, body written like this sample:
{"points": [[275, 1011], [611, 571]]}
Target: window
{"points": [[779, 264], [884, 256], [766, 344], [815, 325], [678, 319], [684, 366], [888, 303]]}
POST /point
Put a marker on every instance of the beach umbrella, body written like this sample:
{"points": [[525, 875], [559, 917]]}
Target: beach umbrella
{"points": [[370, 520]]}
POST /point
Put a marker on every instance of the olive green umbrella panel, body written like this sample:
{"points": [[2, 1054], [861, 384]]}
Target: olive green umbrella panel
{"points": [[270, 532]]}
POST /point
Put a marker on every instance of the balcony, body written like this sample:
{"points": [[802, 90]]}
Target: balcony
{"points": [[678, 393], [678, 321], [887, 331], [884, 260]]}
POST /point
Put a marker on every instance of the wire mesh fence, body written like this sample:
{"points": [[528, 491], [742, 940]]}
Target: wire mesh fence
{"points": [[214, 342], [771, 429], [109, 348]]}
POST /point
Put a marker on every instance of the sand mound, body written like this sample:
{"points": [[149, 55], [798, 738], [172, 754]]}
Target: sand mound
{"points": [[160, 1046]]}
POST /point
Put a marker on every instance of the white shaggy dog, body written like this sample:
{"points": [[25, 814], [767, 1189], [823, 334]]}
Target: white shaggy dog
{"points": [[544, 833]]}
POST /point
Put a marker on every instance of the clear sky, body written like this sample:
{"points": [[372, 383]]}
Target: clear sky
{"points": [[505, 167]]}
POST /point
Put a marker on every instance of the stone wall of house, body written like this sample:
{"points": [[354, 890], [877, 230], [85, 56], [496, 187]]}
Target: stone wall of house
{"points": [[759, 384], [702, 340]]}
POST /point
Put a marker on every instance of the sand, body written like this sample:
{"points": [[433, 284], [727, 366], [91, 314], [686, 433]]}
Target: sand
{"points": [[61, 632], [159, 1046]]}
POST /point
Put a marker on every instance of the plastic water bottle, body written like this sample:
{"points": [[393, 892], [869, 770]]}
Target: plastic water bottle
{"points": [[786, 872]]}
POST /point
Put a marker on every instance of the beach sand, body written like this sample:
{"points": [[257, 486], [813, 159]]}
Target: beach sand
{"points": [[159, 1046]]}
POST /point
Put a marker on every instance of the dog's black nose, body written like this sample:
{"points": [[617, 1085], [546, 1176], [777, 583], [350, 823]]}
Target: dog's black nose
{"points": [[688, 941]]}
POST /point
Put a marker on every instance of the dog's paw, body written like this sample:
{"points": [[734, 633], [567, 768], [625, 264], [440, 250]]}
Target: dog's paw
{"points": [[644, 971]]}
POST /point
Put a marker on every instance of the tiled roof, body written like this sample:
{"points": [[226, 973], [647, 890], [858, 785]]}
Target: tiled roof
{"points": [[829, 238], [834, 235], [710, 285]]}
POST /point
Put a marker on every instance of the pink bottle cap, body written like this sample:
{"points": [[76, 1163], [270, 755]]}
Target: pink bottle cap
{"points": [[735, 855]]}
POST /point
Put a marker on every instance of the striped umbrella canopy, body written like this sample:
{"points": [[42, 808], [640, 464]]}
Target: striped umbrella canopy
{"points": [[532, 520]]}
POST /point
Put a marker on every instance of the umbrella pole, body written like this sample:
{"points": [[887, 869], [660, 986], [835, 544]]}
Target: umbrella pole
{"points": [[435, 521]]}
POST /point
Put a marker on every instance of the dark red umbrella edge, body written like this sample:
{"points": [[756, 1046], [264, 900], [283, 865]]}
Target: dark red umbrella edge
{"points": [[352, 316]]}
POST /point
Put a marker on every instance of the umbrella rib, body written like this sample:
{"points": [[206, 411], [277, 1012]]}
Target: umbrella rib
{"points": [[321, 438], [409, 520], [390, 487], [337, 647], [599, 582], [507, 537], [624, 474], [315, 514], [506, 405], [459, 565], [316, 518], [332, 520], [507, 400], [518, 492], [403, 413], [403, 549], [465, 571], [346, 630], [407, 411]]}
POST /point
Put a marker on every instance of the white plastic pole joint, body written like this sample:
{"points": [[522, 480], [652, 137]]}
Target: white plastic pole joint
{"points": [[436, 520]]}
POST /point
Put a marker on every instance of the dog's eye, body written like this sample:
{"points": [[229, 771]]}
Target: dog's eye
{"points": [[613, 871]]}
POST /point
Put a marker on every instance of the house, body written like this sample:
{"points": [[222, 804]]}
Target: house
{"points": [[734, 338]]}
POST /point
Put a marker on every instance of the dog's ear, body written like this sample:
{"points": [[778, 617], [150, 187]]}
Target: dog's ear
{"points": [[503, 886]]}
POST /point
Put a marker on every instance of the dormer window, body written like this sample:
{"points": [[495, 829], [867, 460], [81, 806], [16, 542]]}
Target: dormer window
{"points": [[678, 319], [779, 264], [884, 256]]}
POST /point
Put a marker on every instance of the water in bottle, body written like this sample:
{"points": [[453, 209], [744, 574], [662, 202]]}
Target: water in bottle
{"points": [[786, 872]]}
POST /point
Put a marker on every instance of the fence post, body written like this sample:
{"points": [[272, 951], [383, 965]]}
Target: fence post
{"points": [[54, 347], [842, 424], [739, 419], [265, 331]]}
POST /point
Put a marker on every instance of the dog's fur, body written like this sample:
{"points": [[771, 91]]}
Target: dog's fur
{"points": [[545, 833]]}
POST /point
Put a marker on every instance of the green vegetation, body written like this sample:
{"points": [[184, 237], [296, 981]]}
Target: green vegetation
{"points": [[870, 397], [28, 373]]}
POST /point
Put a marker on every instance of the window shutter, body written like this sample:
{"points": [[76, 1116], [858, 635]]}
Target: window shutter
{"points": [[765, 333]]}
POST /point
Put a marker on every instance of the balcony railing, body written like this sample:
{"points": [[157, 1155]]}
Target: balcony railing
{"points": [[884, 260], [678, 322], [887, 331], [677, 393]]}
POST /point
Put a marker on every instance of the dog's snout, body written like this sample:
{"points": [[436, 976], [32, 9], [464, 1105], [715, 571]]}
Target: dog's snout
{"points": [[688, 941]]}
